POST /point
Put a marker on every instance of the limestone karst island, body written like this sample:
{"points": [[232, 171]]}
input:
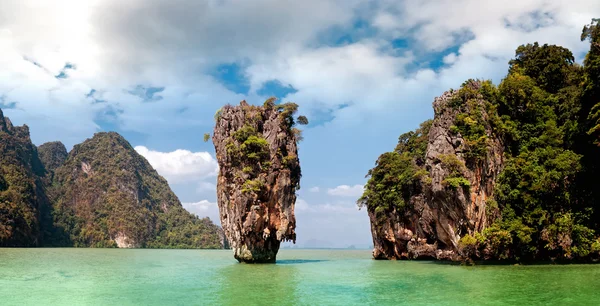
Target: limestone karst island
{"points": [[256, 147], [364, 152]]}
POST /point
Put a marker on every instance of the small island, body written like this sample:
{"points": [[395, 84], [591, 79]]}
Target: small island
{"points": [[256, 148], [507, 172]]}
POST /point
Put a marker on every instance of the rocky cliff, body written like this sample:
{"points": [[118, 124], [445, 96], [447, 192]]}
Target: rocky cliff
{"points": [[53, 155], [109, 195], [22, 196], [256, 147], [451, 171], [101, 194], [502, 172]]}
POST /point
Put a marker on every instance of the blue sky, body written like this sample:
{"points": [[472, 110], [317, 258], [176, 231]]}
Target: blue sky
{"points": [[362, 71]]}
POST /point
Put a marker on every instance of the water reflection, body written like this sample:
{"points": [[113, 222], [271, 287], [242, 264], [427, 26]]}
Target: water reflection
{"points": [[259, 284]]}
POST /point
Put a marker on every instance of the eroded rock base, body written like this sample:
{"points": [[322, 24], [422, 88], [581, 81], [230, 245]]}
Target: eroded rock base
{"points": [[245, 255]]}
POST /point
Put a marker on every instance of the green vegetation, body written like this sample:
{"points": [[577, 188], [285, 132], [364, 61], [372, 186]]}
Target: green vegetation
{"points": [[102, 190], [218, 114], [21, 196], [472, 101], [116, 192], [206, 137], [397, 175], [252, 186], [455, 169], [52, 155], [302, 120], [546, 115], [180, 229], [249, 152]]}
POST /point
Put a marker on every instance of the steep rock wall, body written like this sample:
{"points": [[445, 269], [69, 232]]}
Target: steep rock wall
{"points": [[259, 174], [451, 199], [22, 197]]}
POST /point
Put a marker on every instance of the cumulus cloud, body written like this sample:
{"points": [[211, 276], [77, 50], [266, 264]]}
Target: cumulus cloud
{"points": [[206, 186], [314, 189], [346, 191], [321, 222], [203, 209], [181, 165], [404, 54], [301, 205], [118, 46]]}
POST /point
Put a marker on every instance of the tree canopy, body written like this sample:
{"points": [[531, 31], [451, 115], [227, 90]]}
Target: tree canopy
{"points": [[546, 114]]}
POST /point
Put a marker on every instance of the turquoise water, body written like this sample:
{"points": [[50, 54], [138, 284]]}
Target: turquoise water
{"points": [[301, 277]]}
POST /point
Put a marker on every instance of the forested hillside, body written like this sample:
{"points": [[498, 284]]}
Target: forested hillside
{"points": [[101, 194]]}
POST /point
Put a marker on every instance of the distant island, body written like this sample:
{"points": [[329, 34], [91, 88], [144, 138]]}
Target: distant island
{"points": [[507, 172], [101, 194]]}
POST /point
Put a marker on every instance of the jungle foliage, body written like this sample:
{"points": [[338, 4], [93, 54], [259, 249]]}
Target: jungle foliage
{"points": [[248, 150], [546, 113], [102, 189]]}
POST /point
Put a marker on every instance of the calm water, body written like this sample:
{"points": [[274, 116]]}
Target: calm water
{"points": [[301, 277]]}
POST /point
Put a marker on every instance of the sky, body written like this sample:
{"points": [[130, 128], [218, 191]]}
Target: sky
{"points": [[362, 71]]}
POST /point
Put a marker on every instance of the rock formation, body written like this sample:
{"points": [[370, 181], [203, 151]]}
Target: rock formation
{"points": [[111, 196], [22, 196], [259, 175], [53, 155], [500, 173], [101, 194], [454, 178]]}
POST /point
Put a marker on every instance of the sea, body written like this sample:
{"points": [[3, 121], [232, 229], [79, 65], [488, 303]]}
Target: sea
{"points": [[78, 276]]}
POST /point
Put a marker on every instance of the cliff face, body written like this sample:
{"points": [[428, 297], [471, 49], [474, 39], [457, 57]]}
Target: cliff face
{"points": [[453, 175], [101, 194], [110, 196], [502, 172], [21, 189], [259, 175], [53, 155]]}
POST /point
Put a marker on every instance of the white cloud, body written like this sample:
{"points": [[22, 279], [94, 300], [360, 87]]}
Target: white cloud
{"points": [[301, 205], [206, 186], [203, 209], [321, 222], [346, 191], [117, 45], [181, 165], [201, 206], [314, 189]]}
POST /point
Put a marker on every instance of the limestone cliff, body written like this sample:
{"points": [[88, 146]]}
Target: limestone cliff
{"points": [[256, 147], [506, 172], [447, 176], [22, 197], [108, 195], [53, 155], [101, 194]]}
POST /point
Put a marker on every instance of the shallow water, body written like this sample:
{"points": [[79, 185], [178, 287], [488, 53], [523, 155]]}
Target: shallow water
{"points": [[300, 277]]}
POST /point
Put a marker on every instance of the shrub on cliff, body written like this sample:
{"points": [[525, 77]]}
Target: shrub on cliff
{"points": [[248, 149], [259, 173], [546, 117], [396, 175], [106, 190], [21, 189]]}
